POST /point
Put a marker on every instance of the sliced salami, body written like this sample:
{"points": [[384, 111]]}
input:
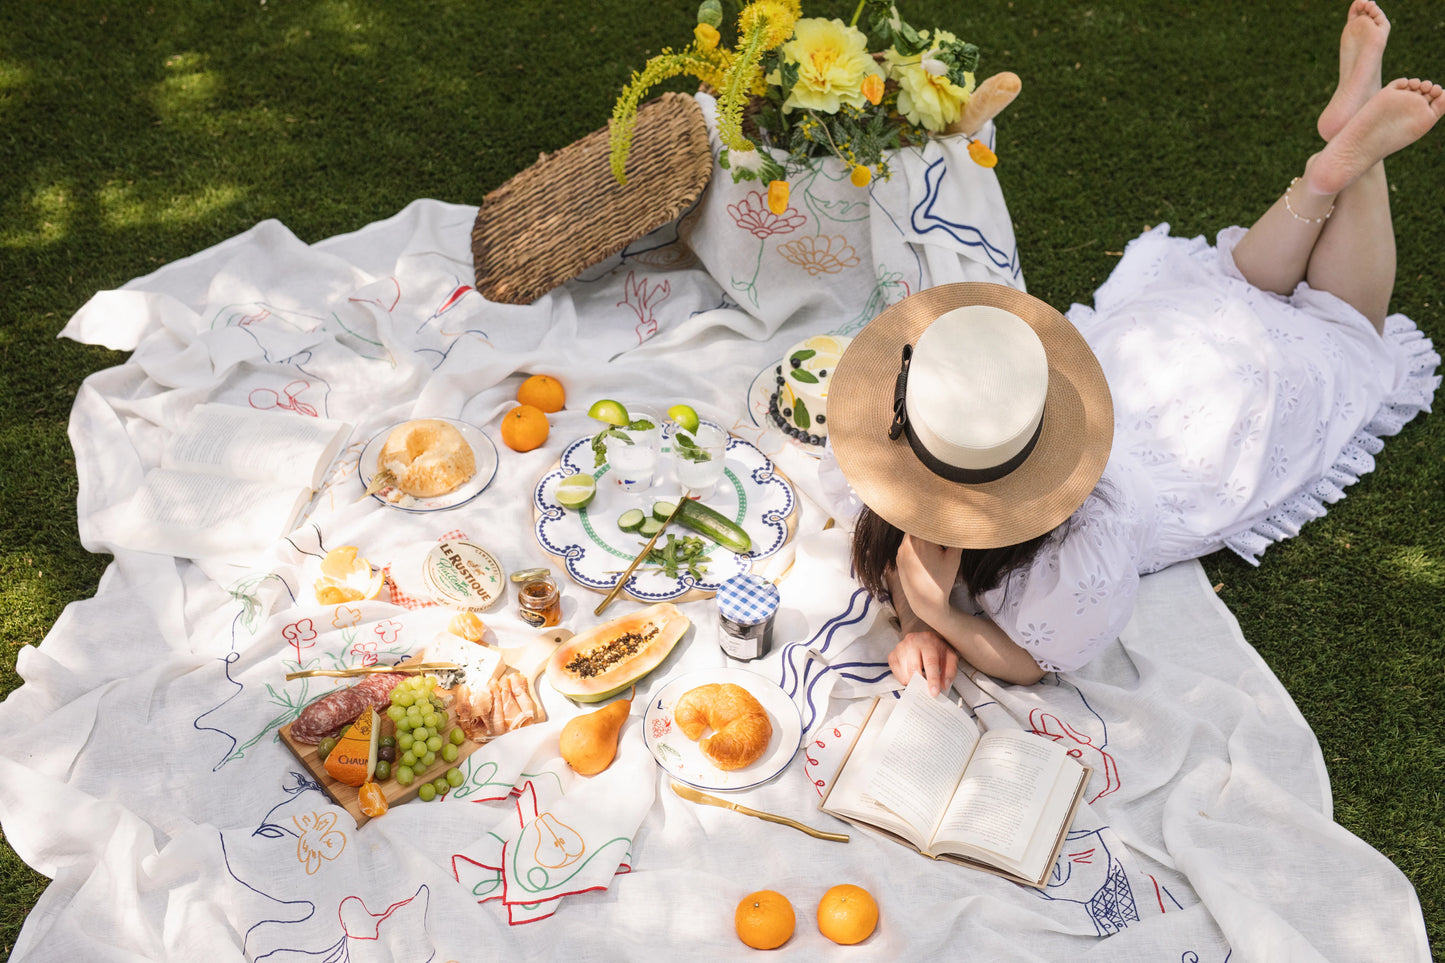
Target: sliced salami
{"points": [[328, 714]]}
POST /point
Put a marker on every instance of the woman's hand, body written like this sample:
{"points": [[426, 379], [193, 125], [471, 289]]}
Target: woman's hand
{"points": [[927, 572], [924, 651]]}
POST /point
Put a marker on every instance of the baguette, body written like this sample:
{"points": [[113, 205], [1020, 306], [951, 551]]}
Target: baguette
{"points": [[988, 101]]}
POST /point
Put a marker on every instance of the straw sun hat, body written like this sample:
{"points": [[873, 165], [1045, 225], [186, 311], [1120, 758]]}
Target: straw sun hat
{"points": [[1003, 421]]}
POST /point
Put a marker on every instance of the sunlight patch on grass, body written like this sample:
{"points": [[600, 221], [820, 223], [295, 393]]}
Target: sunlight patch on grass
{"points": [[1414, 564], [122, 208], [13, 76], [187, 88], [53, 209]]}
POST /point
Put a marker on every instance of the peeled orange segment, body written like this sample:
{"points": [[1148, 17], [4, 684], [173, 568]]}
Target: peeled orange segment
{"points": [[468, 626], [346, 578], [335, 594], [373, 800]]}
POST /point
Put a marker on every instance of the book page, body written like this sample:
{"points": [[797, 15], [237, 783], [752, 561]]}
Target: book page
{"points": [[264, 446], [1002, 797], [846, 797], [1051, 823], [923, 749], [191, 515]]}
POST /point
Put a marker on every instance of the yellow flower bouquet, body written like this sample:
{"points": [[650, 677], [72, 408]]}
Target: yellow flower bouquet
{"points": [[806, 88]]}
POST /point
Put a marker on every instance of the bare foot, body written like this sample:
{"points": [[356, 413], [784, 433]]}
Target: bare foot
{"points": [[1362, 48], [1394, 117]]}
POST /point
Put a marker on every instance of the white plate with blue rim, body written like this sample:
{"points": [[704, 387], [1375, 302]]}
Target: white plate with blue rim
{"points": [[482, 449], [594, 551]]}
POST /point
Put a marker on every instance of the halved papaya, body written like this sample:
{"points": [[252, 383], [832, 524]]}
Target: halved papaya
{"points": [[603, 661]]}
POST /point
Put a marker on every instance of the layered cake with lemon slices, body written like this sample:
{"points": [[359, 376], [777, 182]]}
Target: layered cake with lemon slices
{"points": [[799, 403]]}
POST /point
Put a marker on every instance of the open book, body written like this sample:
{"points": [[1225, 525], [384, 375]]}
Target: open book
{"points": [[230, 483], [921, 772]]}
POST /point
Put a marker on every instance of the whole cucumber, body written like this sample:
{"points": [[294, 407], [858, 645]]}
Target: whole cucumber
{"points": [[706, 521]]}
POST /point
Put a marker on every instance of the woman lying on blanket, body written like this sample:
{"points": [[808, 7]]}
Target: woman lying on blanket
{"points": [[1230, 392]]}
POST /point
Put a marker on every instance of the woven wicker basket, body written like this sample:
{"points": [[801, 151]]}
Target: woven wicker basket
{"points": [[566, 213]]}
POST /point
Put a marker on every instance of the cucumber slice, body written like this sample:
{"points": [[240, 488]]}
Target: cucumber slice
{"points": [[631, 520], [650, 527], [662, 511]]}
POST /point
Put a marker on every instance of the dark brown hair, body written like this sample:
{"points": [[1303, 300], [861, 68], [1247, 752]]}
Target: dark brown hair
{"points": [[875, 546]]}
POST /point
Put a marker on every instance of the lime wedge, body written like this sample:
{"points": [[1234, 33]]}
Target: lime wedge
{"points": [[576, 491], [612, 412], [685, 417]]}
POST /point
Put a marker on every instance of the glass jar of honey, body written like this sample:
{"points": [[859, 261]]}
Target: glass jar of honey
{"points": [[538, 600]]}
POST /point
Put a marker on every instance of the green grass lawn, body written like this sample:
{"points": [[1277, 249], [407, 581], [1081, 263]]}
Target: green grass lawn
{"points": [[132, 134]]}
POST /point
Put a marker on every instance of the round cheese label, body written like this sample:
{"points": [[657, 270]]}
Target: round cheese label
{"points": [[463, 575]]}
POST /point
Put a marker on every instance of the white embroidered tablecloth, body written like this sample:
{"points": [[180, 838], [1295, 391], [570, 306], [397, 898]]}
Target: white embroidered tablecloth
{"points": [[139, 766]]}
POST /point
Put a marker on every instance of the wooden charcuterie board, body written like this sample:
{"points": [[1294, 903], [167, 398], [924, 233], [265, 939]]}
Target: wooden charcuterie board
{"points": [[527, 660]]}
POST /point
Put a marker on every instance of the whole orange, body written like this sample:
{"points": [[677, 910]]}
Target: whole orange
{"points": [[524, 428], [847, 914], [543, 392], [764, 919]]}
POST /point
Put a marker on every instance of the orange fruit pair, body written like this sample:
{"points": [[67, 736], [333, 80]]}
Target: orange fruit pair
{"points": [[524, 428], [847, 914], [543, 392]]}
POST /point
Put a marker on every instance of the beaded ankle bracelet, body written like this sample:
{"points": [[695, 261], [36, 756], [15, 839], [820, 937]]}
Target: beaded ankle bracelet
{"points": [[1306, 220]]}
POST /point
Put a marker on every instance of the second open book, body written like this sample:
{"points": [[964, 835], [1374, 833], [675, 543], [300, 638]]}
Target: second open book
{"points": [[921, 771]]}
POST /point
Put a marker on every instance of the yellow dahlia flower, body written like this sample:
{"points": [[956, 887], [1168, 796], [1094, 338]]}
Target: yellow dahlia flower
{"points": [[930, 100], [833, 62]]}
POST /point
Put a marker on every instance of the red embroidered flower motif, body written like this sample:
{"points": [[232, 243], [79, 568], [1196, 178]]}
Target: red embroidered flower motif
{"points": [[752, 215], [365, 651], [300, 634]]}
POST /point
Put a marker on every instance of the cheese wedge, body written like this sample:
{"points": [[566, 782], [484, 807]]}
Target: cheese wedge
{"points": [[353, 761], [481, 662]]}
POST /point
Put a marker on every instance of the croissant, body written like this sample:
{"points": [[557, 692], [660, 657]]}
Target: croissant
{"points": [[739, 723]]}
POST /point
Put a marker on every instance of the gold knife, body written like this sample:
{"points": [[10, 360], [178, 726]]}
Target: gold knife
{"points": [[375, 669], [697, 796]]}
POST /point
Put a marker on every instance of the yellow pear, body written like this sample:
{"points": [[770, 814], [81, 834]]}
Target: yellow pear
{"points": [[589, 741]]}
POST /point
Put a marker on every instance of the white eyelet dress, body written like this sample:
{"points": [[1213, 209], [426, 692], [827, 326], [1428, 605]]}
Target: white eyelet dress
{"points": [[1238, 416]]}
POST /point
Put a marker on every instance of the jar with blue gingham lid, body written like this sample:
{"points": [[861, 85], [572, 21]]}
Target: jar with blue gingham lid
{"points": [[746, 605]]}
